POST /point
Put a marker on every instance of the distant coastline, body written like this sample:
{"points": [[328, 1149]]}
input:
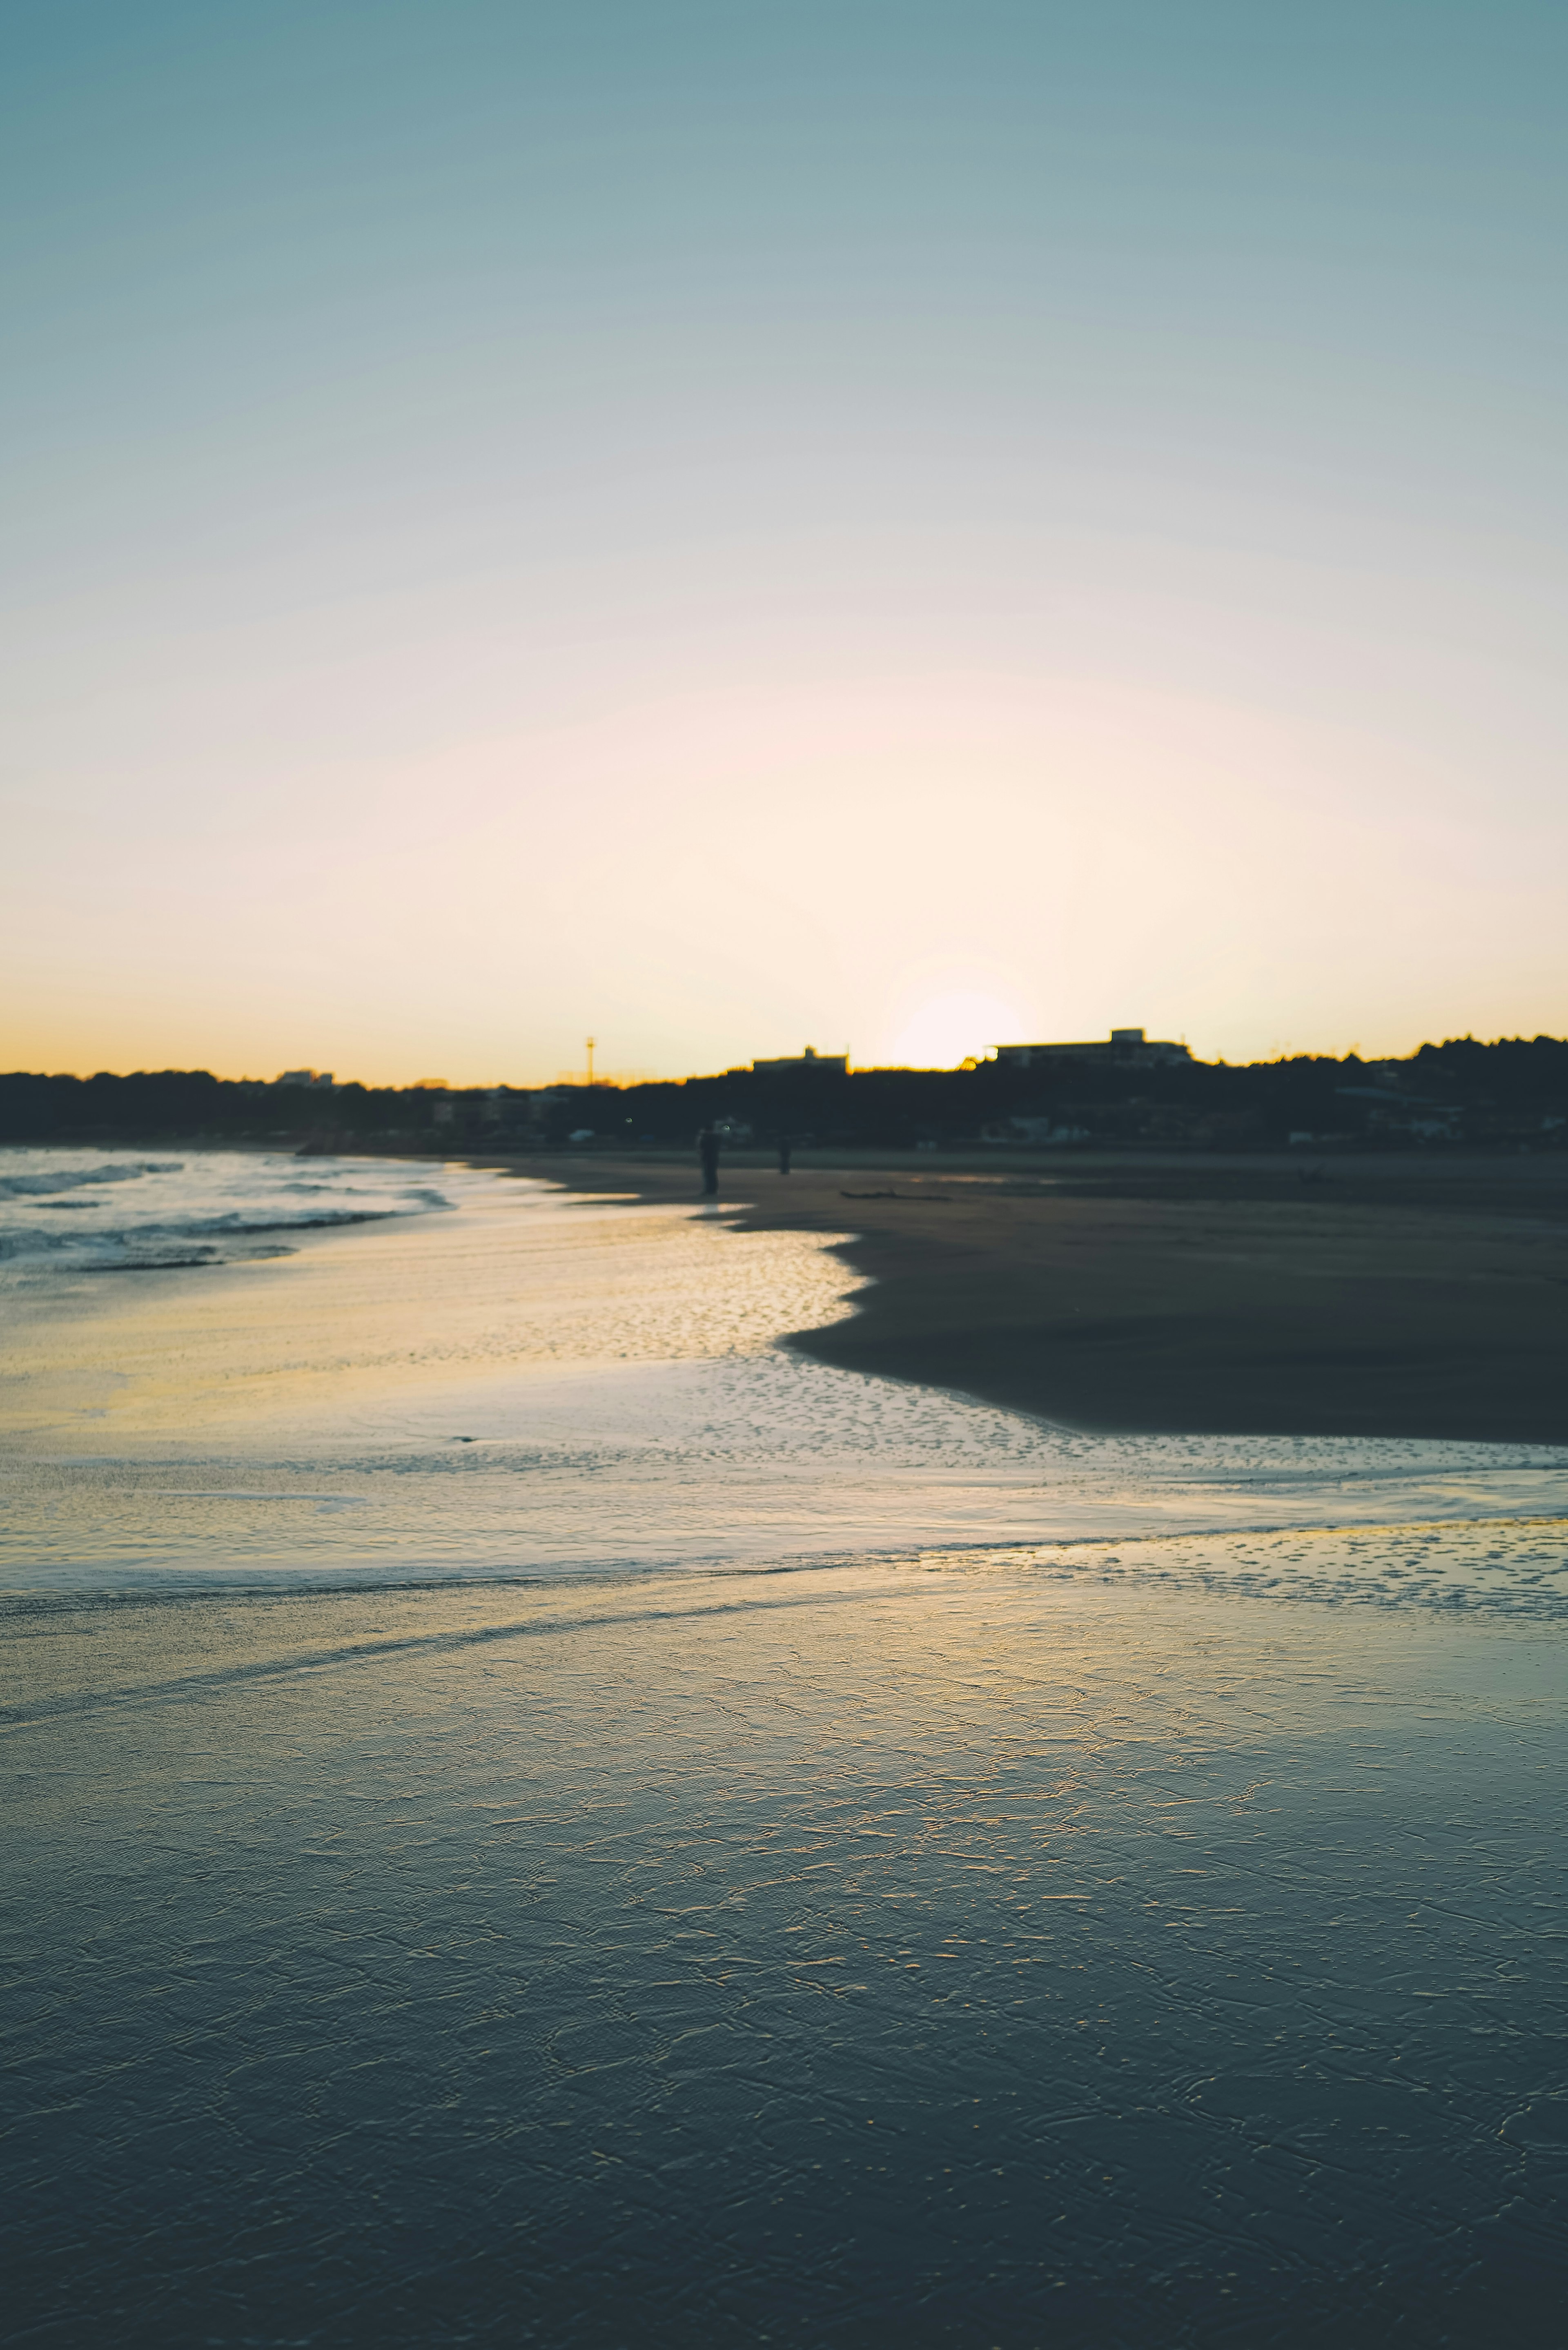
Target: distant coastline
{"points": [[1508, 1097]]}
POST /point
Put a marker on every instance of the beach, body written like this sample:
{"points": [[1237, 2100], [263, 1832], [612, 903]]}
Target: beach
{"points": [[546, 1809], [783, 1178], [937, 1956], [1405, 1297]]}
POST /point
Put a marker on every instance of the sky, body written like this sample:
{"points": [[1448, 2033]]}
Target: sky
{"points": [[893, 526]]}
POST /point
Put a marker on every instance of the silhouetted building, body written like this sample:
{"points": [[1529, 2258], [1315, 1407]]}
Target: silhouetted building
{"points": [[835, 1064], [1126, 1048]]}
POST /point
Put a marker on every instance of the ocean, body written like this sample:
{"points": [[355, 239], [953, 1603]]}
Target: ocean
{"points": [[540, 1813]]}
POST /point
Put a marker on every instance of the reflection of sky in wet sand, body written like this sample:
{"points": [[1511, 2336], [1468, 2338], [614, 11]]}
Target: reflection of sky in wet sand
{"points": [[530, 1384], [831, 1957], [881, 1869]]}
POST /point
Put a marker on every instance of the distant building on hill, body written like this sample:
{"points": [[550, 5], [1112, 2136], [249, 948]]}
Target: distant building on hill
{"points": [[319, 1080], [834, 1065], [1126, 1048]]}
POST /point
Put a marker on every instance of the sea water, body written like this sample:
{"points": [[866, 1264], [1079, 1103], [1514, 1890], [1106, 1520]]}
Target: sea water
{"points": [[540, 1814]]}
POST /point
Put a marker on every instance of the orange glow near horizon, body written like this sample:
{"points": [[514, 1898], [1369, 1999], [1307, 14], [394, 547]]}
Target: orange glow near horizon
{"points": [[913, 874]]}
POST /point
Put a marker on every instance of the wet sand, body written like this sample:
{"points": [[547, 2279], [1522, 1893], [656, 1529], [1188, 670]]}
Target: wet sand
{"points": [[534, 1381], [952, 1956], [742, 1913], [1392, 1297]]}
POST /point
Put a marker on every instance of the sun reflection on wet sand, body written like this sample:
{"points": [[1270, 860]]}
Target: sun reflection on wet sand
{"points": [[961, 1954], [539, 1815], [530, 1383]]}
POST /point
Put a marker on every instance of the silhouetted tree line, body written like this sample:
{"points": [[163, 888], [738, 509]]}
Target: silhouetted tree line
{"points": [[1509, 1094], [196, 1105]]}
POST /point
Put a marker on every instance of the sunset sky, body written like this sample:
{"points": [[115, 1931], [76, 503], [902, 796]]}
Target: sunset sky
{"points": [[893, 525]]}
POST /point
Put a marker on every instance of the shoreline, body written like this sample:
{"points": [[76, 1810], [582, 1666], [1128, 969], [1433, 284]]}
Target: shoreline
{"points": [[1399, 1296], [1397, 1299]]}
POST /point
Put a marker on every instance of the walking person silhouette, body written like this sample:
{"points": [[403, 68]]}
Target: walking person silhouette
{"points": [[708, 1151]]}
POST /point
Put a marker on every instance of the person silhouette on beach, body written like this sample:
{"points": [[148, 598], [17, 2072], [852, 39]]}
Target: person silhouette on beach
{"points": [[708, 1151], [785, 1147]]}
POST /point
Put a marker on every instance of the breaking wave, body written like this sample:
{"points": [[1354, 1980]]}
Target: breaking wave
{"points": [[76, 1211]]}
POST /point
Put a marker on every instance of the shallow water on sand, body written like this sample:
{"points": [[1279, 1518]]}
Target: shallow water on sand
{"points": [[484, 1376], [832, 1957], [538, 1817]]}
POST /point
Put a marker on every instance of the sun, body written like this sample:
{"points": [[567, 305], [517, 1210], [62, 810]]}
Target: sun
{"points": [[955, 1026]]}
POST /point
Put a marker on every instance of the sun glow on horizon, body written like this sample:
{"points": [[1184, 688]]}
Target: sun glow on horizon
{"points": [[911, 543], [960, 1025]]}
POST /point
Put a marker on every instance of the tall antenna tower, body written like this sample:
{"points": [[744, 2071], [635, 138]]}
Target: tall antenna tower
{"points": [[590, 1060]]}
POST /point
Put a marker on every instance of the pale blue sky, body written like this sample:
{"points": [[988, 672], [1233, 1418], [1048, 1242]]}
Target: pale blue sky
{"points": [[726, 524]]}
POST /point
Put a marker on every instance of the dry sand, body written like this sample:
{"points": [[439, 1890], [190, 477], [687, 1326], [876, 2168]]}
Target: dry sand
{"points": [[1411, 1297]]}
